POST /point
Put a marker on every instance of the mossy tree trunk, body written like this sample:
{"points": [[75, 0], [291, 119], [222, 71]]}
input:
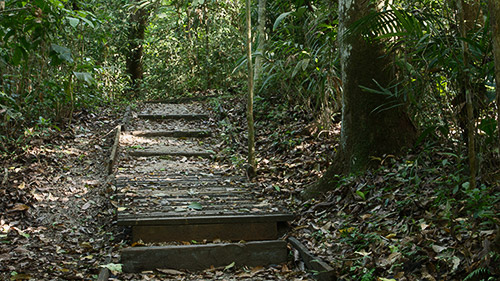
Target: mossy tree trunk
{"points": [[371, 125], [138, 20]]}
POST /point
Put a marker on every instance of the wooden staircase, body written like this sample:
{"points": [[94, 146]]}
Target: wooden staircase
{"points": [[173, 195]]}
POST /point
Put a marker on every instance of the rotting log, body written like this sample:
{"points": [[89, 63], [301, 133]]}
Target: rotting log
{"points": [[324, 271], [114, 149], [126, 119], [199, 257]]}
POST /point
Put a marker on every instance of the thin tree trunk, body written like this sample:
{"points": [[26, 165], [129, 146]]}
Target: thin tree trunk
{"points": [[494, 7], [468, 92], [262, 39], [252, 165]]}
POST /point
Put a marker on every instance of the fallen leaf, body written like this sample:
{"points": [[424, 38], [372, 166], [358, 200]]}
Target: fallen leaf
{"points": [[22, 186], [438, 249], [19, 208], [138, 244], [423, 226], [86, 206], [20, 277], [229, 266], [113, 267], [195, 206], [170, 271]]}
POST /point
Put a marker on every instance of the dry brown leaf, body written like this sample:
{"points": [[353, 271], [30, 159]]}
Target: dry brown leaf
{"points": [[19, 207], [170, 271]]}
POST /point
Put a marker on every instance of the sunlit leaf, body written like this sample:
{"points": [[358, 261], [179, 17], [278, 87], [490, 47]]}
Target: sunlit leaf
{"points": [[84, 76], [279, 19], [114, 267], [62, 53], [195, 206], [73, 21], [229, 266]]}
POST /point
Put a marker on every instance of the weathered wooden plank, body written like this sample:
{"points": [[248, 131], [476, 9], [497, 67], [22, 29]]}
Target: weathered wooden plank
{"points": [[188, 117], [199, 257], [145, 180], [173, 218], [198, 232], [206, 197], [182, 184], [160, 152], [181, 100], [173, 134], [324, 272], [181, 194], [179, 207]]}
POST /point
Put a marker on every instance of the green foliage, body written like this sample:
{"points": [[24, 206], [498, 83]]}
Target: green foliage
{"points": [[53, 61], [300, 63], [191, 47]]}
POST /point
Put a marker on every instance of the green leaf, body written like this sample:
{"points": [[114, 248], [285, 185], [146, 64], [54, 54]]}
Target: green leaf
{"points": [[277, 188], [17, 56], [229, 266], [279, 19], [84, 76], [488, 126], [361, 194], [114, 267], [63, 53], [89, 23], [73, 21], [195, 206]]}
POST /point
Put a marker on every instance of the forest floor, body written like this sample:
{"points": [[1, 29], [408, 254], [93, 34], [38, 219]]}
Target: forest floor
{"points": [[414, 218]]}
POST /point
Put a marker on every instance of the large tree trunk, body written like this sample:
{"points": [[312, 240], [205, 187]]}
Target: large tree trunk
{"points": [[494, 7], [371, 126], [135, 49]]}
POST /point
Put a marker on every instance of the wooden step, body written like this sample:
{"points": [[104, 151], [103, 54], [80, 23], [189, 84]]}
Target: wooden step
{"points": [[167, 152], [188, 117], [173, 134], [198, 232], [231, 227], [199, 257], [182, 99]]}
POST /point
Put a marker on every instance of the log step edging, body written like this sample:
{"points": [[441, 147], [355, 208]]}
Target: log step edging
{"points": [[322, 271], [199, 257]]}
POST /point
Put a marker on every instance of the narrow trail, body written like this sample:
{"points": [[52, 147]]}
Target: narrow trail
{"points": [[184, 208]]}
